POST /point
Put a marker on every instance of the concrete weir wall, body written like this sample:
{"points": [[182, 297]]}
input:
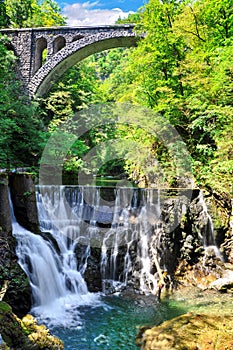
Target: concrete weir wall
{"points": [[22, 191], [23, 197], [5, 218]]}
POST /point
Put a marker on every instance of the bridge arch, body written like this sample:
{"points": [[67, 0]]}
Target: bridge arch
{"points": [[72, 53]]}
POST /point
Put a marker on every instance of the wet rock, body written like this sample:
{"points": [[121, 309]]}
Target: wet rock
{"points": [[203, 273], [227, 247], [189, 331], [225, 283], [92, 273], [18, 293]]}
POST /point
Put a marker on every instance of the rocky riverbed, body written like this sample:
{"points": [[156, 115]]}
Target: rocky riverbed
{"points": [[207, 324]]}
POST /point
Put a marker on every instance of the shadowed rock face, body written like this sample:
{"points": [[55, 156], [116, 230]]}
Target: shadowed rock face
{"points": [[5, 218], [189, 331], [18, 293]]}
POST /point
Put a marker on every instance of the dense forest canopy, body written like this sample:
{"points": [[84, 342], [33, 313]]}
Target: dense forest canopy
{"points": [[30, 13], [182, 70]]}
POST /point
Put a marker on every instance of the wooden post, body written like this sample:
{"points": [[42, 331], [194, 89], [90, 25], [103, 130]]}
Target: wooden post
{"points": [[161, 281], [4, 289]]}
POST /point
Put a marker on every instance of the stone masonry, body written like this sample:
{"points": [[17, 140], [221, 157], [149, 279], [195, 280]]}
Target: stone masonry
{"points": [[64, 47]]}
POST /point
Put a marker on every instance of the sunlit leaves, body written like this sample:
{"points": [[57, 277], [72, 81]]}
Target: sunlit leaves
{"points": [[183, 70], [33, 13], [46, 13]]}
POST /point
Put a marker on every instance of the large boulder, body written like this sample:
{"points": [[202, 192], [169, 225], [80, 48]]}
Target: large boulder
{"points": [[225, 283], [11, 330]]}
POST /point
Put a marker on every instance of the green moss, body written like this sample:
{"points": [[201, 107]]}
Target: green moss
{"points": [[40, 335], [25, 334], [11, 330], [27, 194], [4, 307]]}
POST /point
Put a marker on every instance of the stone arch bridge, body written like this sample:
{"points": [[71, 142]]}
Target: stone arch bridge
{"points": [[65, 47]]}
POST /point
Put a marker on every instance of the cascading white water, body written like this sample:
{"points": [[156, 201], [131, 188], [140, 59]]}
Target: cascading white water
{"points": [[130, 235], [58, 288], [208, 236], [56, 217], [70, 217], [73, 214]]}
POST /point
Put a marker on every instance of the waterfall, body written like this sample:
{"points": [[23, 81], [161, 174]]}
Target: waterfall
{"points": [[76, 222], [208, 234], [80, 220], [86, 234], [57, 287]]}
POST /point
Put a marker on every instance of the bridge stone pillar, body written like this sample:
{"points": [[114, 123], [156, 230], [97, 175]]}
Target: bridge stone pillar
{"points": [[21, 43]]}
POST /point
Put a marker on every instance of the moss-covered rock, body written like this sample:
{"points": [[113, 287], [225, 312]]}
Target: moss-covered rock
{"points": [[40, 335], [11, 330], [189, 332], [25, 334], [18, 293]]}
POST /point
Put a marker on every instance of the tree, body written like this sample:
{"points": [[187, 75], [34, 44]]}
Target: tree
{"points": [[182, 69], [18, 11], [22, 137], [4, 19], [46, 13], [33, 13]]}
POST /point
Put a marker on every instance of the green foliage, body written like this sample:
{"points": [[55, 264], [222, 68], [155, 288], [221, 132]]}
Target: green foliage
{"points": [[19, 11], [32, 13], [46, 13], [4, 19], [22, 138], [132, 18], [183, 70], [78, 88], [107, 61]]}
